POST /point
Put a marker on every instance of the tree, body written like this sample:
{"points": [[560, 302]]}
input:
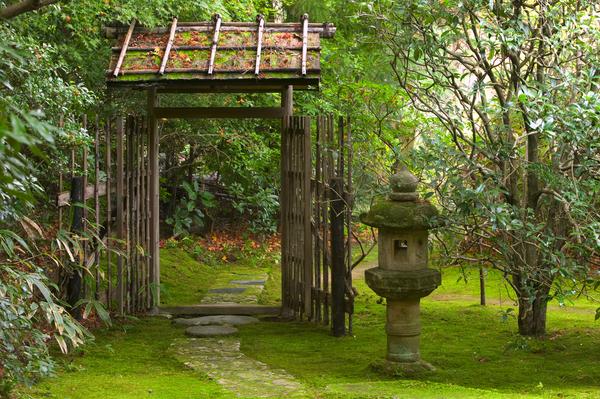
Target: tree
{"points": [[515, 161]]}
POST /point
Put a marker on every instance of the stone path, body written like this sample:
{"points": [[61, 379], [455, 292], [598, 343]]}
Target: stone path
{"points": [[216, 352], [210, 331], [223, 362], [244, 289], [219, 320]]}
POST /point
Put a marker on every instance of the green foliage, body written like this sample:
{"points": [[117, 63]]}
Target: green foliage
{"points": [[192, 209], [29, 317], [512, 150], [261, 208]]}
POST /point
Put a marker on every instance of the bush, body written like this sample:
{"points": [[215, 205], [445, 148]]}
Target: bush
{"points": [[30, 317]]}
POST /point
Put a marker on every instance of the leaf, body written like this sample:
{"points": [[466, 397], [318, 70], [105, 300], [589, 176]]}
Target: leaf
{"points": [[61, 343]]}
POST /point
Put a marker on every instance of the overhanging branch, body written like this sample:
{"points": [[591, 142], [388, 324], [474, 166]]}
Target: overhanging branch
{"points": [[16, 9]]}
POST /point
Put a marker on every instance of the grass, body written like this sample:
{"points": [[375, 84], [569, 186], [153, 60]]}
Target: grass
{"points": [[476, 350]]}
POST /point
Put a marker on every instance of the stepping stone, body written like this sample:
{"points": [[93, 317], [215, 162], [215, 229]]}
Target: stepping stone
{"points": [[223, 362], [232, 290], [210, 331], [217, 320], [248, 282]]}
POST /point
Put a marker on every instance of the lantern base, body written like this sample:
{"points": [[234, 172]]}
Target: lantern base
{"points": [[401, 369]]}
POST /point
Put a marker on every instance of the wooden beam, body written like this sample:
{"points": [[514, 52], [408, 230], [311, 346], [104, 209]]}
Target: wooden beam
{"points": [[124, 49], [325, 30], [261, 26], [304, 42], [64, 198], [219, 84], [213, 50], [154, 191], [218, 112], [165, 59]]}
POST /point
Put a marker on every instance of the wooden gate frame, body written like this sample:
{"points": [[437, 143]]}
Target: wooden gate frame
{"points": [[251, 57]]}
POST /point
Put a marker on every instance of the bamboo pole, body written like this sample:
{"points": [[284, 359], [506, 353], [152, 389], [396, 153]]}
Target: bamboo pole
{"points": [[287, 103], [97, 209], [84, 163], [120, 215], [306, 213], [154, 194], [108, 167]]}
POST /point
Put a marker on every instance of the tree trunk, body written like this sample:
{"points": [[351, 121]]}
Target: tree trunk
{"points": [[532, 314]]}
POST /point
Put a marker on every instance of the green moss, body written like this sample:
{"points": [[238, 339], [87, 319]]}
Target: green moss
{"points": [[404, 215], [130, 361], [184, 280], [475, 349]]}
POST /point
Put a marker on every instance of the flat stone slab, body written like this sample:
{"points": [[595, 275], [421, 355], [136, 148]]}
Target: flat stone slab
{"points": [[228, 290], [217, 320], [222, 361], [210, 331], [221, 309], [248, 282]]}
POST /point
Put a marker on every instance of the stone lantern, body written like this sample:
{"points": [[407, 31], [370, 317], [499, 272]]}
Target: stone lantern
{"points": [[402, 276]]}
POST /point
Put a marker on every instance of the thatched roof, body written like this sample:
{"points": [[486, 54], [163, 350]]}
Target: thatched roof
{"points": [[211, 54]]}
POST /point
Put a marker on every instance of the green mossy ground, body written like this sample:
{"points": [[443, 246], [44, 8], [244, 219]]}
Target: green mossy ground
{"points": [[475, 349]]}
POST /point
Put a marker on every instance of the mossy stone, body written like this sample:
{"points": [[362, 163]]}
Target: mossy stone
{"points": [[405, 284], [401, 215]]}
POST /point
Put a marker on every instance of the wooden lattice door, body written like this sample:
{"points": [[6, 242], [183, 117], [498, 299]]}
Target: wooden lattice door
{"points": [[316, 221]]}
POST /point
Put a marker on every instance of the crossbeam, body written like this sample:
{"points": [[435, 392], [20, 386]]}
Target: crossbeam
{"points": [[218, 112]]}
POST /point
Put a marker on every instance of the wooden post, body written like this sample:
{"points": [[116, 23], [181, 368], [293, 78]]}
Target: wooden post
{"points": [[97, 208], [338, 272], [120, 221], [287, 104], [74, 285], [84, 166], [481, 286], [129, 126], [108, 167], [307, 211], [153, 141]]}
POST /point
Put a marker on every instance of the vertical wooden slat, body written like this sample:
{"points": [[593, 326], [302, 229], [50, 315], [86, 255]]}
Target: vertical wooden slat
{"points": [[317, 222], [147, 221], [349, 201], [97, 208], [128, 199], [144, 217], [338, 269], [108, 168], [306, 212], [84, 166], [61, 186], [165, 58], [138, 259], [154, 194], [120, 216], [287, 103]]}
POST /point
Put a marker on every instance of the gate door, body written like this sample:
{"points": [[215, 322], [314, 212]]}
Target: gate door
{"points": [[316, 221]]}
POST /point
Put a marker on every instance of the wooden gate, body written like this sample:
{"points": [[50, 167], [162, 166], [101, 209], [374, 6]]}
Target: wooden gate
{"points": [[316, 221], [115, 236]]}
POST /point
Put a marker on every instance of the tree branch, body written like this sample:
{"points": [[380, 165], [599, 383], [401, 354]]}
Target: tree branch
{"points": [[16, 9]]}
